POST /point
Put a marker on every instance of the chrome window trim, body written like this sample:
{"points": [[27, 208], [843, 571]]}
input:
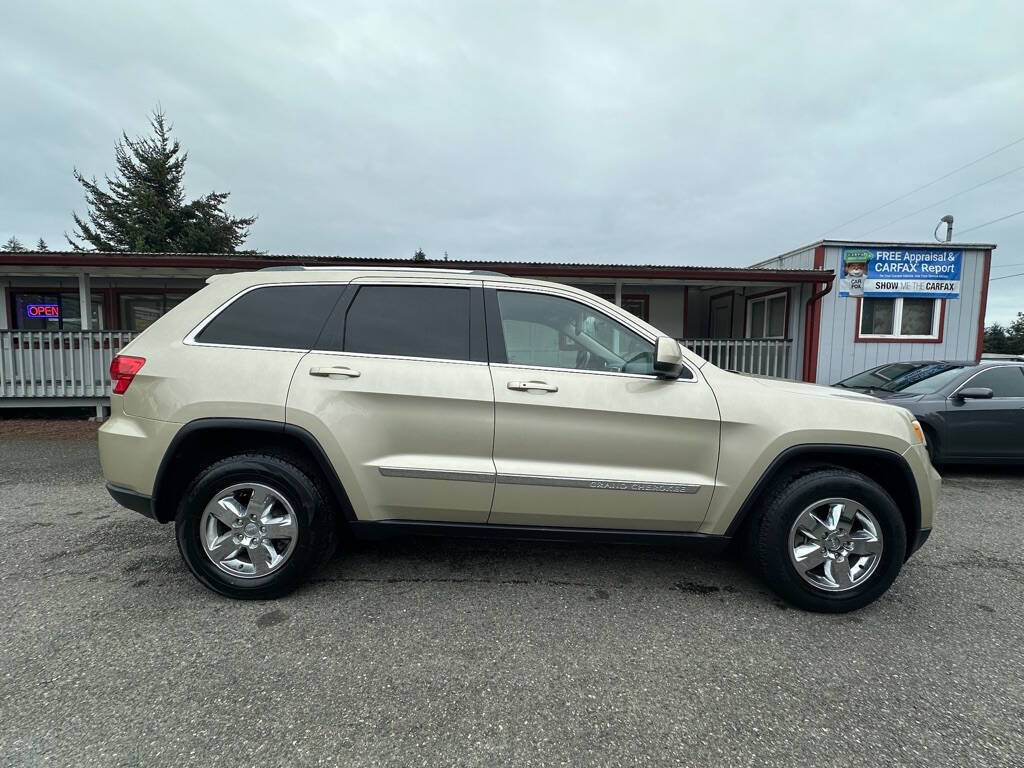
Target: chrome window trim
{"points": [[985, 369], [190, 338], [464, 282], [644, 376], [547, 481], [408, 358]]}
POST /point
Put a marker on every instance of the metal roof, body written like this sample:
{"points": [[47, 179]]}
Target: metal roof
{"points": [[252, 260], [886, 244]]}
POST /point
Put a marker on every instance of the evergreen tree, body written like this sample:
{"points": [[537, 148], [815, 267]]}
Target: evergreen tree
{"points": [[1005, 340], [41, 245], [1015, 335], [996, 340], [144, 207], [14, 244], [419, 255]]}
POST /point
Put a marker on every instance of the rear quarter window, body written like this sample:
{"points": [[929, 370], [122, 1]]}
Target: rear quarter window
{"points": [[278, 316]]}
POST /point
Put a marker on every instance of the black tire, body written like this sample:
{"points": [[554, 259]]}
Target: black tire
{"points": [[770, 538], [301, 487]]}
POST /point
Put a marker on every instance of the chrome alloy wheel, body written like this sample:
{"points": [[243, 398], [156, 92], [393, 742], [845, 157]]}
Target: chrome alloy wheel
{"points": [[835, 544], [248, 530]]}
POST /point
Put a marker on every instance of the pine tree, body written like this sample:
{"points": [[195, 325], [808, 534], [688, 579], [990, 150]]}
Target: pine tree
{"points": [[144, 206], [419, 255], [41, 245], [14, 244]]}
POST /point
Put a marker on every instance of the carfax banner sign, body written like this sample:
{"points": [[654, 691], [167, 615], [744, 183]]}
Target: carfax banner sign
{"points": [[911, 272]]}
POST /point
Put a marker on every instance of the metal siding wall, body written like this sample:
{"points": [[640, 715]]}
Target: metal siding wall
{"points": [[839, 356], [799, 260], [798, 298]]}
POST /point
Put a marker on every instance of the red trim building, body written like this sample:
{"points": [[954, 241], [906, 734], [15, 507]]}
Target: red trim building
{"points": [[781, 317]]}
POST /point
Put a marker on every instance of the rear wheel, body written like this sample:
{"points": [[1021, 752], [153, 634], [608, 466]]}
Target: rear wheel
{"points": [[254, 526], [831, 540]]}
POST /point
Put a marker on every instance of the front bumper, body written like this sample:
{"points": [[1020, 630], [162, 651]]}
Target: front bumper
{"points": [[133, 500]]}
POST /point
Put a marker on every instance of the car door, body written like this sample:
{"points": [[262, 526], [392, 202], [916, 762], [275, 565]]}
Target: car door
{"points": [[988, 428], [585, 434], [399, 394]]}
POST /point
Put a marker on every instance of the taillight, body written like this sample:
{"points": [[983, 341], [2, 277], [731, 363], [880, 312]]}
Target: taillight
{"points": [[122, 370]]}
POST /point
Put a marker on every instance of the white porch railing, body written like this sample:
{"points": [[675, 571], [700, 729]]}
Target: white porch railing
{"points": [[58, 363], [55, 364], [764, 357]]}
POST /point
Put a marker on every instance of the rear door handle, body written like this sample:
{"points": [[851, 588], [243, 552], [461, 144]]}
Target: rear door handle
{"points": [[532, 386], [334, 370]]}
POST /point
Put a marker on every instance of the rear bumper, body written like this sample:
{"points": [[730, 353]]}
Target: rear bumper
{"points": [[133, 500]]}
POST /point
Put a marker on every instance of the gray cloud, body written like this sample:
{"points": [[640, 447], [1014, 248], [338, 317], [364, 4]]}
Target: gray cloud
{"points": [[720, 133]]}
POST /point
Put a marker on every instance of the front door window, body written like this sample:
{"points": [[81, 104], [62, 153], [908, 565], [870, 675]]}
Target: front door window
{"points": [[552, 332]]}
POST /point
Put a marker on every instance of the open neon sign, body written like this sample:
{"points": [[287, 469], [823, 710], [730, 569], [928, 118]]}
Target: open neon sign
{"points": [[42, 310]]}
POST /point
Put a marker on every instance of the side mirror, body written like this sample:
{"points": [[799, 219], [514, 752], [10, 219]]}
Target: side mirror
{"points": [[974, 393], [668, 358]]}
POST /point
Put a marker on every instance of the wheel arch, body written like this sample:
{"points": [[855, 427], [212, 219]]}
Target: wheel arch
{"points": [[203, 441], [873, 462]]}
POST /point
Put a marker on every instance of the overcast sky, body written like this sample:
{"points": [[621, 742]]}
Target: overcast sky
{"points": [[675, 132]]}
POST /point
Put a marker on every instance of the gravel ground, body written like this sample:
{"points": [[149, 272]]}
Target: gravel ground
{"points": [[431, 653]]}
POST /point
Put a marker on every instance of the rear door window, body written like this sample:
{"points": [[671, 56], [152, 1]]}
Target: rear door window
{"points": [[410, 321], [277, 316]]}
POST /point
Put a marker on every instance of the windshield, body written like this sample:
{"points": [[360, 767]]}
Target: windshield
{"points": [[878, 377], [925, 379]]}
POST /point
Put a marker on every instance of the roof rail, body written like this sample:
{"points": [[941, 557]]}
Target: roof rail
{"points": [[369, 268]]}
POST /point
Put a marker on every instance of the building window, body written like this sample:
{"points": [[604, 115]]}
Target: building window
{"points": [[139, 311], [899, 318], [57, 311], [766, 316], [637, 304]]}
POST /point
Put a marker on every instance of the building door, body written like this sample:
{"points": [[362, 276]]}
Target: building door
{"points": [[585, 435], [720, 321]]}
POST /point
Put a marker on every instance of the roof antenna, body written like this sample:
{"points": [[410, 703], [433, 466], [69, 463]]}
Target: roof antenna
{"points": [[948, 221]]}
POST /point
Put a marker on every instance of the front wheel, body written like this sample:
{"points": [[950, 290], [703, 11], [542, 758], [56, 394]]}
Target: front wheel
{"points": [[831, 540]]}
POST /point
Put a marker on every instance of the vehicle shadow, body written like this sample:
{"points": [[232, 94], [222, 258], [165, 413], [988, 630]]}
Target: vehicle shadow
{"points": [[419, 559]]}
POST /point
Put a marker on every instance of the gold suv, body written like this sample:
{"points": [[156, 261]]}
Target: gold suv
{"points": [[273, 410]]}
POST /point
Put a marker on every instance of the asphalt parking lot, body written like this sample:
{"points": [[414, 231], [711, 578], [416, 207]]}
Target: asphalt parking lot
{"points": [[435, 653]]}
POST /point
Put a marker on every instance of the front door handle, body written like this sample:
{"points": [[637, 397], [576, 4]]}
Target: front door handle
{"points": [[532, 386], [334, 370]]}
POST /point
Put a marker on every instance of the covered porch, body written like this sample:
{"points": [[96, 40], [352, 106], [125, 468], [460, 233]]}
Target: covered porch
{"points": [[65, 316]]}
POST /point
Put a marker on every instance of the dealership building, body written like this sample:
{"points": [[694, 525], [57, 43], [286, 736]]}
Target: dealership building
{"points": [[819, 313]]}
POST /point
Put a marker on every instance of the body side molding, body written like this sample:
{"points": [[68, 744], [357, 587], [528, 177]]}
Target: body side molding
{"points": [[595, 483]]}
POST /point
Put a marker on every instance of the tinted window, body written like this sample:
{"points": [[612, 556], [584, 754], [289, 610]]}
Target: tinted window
{"points": [[1005, 381], [409, 320], [284, 316], [554, 332]]}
